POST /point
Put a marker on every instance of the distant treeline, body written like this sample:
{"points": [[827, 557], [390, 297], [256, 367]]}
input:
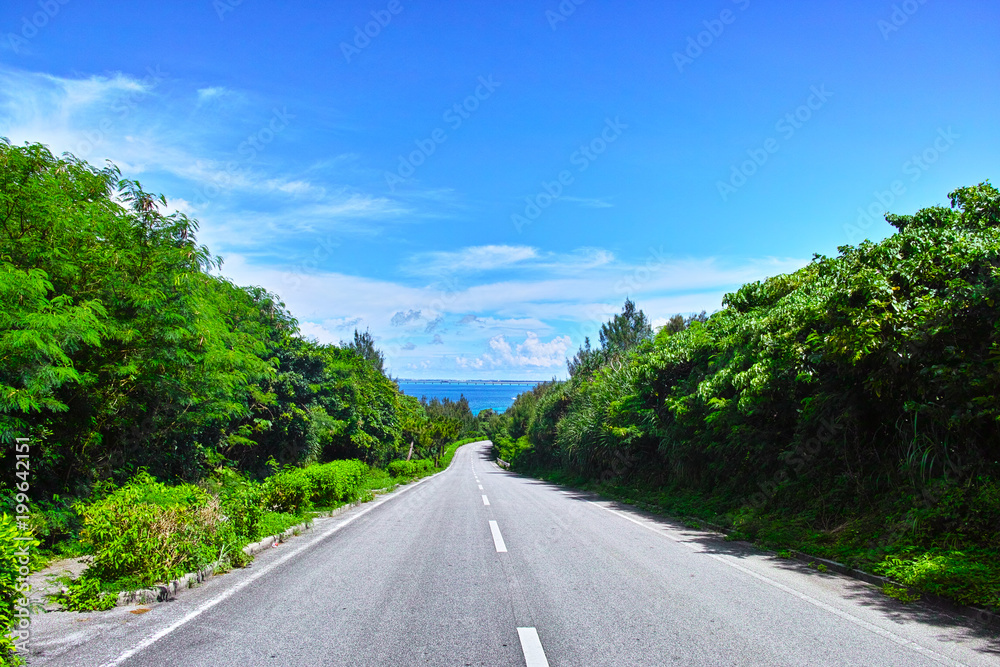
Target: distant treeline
{"points": [[856, 399]]}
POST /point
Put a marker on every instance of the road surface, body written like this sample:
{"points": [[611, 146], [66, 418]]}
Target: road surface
{"points": [[479, 566]]}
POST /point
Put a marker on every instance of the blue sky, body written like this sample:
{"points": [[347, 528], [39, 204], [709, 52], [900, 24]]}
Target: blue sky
{"points": [[482, 183]]}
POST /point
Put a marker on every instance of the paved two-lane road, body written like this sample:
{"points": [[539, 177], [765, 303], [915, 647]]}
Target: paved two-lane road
{"points": [[478, 566]]}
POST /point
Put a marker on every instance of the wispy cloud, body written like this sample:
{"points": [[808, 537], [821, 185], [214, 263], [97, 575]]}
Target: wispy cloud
{"points": [[144, 124], [483, 259], [588, 202], [475, 259]]}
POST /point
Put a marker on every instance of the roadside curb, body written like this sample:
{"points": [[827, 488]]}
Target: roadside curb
{"points": [[169, 590], [984, 617]]}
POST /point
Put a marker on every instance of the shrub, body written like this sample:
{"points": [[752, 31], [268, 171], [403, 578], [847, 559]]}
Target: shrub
{"points": [[410, 468], [967, 578], [242, 505], [289, 491], [146, 531], [399, 468], [85, 594], [336, 482], [275, 523]]}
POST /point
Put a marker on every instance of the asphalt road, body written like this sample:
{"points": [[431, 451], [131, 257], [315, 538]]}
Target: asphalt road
{"points": [[479, 566]]}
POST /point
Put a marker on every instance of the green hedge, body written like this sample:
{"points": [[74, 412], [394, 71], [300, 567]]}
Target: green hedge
{"points": [[410, 468], [289, 491], [336, 482]]}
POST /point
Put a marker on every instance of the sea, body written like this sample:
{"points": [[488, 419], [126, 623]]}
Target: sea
{"points": [[481, 395]]}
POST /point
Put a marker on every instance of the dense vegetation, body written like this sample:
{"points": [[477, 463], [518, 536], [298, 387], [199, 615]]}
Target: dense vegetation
{"points": [[124, 356], [849, 408]]}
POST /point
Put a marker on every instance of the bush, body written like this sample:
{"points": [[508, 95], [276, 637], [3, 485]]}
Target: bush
{"points": [[148, 532], [289, 491], [406, 469], [275, 523], [510, 450], [85, 594], [336, 482], [242, 505], [967, 578]]}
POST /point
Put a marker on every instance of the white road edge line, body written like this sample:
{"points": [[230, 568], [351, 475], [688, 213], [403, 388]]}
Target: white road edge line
{"points": [[152, 639], [497, 538], [486, 501], [891, 636], [531, 645]]}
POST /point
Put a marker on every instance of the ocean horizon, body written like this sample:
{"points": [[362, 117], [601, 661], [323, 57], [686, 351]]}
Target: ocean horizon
{"points": [[497, 395]]}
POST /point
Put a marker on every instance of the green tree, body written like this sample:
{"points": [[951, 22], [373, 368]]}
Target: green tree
{"points": [[364, 345], [624, 332]]}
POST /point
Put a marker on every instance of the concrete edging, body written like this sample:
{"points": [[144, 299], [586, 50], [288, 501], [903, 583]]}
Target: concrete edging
{"points": [[984, 617], [169, 590]]}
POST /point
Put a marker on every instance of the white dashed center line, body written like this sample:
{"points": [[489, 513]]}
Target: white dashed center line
{"points": [[497, 538], [534, 654], [486, 501]]}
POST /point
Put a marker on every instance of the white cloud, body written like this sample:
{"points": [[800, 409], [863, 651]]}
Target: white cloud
{"points": [[212, 92], [566, 308], [532, 353], [470, 260], [144, 129]]}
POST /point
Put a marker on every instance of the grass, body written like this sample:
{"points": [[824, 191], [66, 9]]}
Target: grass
{"points": [[275, 523]]}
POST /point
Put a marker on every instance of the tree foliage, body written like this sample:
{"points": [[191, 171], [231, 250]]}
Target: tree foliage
{"points": [[865, 380], [122, 349]]}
